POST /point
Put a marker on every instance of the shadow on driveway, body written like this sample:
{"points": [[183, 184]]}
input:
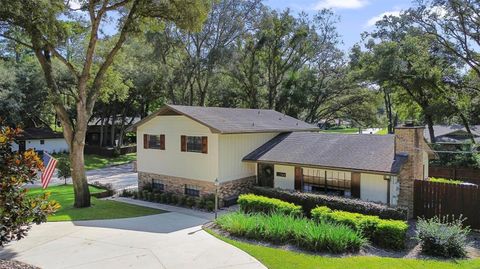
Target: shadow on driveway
{"points": [[162, 223]]}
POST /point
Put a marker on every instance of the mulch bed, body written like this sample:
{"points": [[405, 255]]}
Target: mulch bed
{"points": [[12, 264]]}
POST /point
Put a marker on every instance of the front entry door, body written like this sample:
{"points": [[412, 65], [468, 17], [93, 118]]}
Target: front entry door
{"points": [[265, 175], [21, 146]]}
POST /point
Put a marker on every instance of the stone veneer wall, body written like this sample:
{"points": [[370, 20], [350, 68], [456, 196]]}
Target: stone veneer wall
{"points": [[409, 140], [177, 184]]}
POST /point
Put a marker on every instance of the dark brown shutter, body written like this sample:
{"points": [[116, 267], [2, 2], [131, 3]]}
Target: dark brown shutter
{"points": [[298, 178], [355, 185], [162, 141], [183, 143], [204, 144], [145, 141]]}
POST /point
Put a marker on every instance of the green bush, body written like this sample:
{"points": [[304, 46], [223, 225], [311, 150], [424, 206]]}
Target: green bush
{"points": [[385, 233], [190, 202], [210, 205], [251, 203], [309, 201], [145, 195], [444, 180], [135, 194], [182, 201], [156, 197], [163, 197], [282, 229], [442, 237], [201, 202]]}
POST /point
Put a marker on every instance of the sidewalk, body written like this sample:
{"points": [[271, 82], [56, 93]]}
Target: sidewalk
{"points": [[182, 210]]}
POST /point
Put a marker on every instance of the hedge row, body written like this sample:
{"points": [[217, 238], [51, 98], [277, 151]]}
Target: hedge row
{"points": [[286, 229], [206, 202], [309, 201], [384, 233], [251, 203]]}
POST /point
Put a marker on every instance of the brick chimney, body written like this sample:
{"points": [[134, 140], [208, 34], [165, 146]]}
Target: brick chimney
{"points": [[409, 140]]}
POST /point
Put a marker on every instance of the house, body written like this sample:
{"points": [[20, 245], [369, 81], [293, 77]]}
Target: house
{"points": [[184, 149], [40, 139], [453, 134]]}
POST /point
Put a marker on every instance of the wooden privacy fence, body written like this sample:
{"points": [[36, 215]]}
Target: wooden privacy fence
{"points": [[444, 199], [471, 175]]}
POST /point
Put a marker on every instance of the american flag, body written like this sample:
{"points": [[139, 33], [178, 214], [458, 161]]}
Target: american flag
{"points": [[49, 164]]}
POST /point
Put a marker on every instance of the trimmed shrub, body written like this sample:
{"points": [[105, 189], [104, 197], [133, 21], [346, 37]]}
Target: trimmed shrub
{"points": [[441, 237], [182, 201], [281, 229], [210, 205], [390, 234], [190, 202], [135, 194], [385, 233], [156, 197], [251, 203], [309, 201]]}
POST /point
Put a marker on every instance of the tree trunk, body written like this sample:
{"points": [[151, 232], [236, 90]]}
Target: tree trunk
{"points": [[429, 120], [102, 123], [79, 179], [112, 130], [467, 126]]}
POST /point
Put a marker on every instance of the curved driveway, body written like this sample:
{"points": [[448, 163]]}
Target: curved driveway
{"points": [[168, 240]]}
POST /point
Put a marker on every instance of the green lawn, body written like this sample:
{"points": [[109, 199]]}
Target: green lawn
{"points": [[342, 131], [383, 131], [96, 162], [100, 209], [274, 258]]}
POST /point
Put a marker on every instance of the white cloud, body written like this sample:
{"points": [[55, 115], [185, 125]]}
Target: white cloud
{"points": [[74, 4], [371, 22], [345, 4]]}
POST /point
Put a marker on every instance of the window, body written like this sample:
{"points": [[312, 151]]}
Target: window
{"points": [[42, 142], [281, 174], [154, 141], [331, 181], [157, 185], [192, 190], [194, 143]]}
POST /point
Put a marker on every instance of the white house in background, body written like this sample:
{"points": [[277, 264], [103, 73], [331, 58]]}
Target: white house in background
{"points": [[40, 139], [184, 149]]}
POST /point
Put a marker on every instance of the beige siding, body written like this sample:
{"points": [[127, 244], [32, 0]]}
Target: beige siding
{"points": [[232, 149], [373, 188], [172, 161], [287, 182]]}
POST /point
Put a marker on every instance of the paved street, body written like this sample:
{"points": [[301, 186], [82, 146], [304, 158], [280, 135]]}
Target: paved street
{"points": [[169, 240], [120, 176]]}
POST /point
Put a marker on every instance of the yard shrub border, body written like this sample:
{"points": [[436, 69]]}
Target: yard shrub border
{"points": [[390, 234], [251, 203], [309, 201]]}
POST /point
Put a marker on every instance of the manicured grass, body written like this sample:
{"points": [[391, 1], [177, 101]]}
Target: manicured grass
{"points": [[382, 131], [100, 209], [342, 131], [274, 258], [96, 162]]}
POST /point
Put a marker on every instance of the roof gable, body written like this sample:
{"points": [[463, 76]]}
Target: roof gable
{"points": [[234, 120]]}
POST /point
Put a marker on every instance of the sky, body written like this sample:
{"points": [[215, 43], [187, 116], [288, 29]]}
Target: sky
{"points": [[356, 16]]}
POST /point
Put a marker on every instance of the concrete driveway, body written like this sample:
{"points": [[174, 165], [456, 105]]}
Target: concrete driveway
{"points": [[169, 240], [120, 176]]}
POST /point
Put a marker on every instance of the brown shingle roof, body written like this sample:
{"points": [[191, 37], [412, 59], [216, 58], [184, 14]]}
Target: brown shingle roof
{"points": [[235, 120], [38, 133], [374, 153]]}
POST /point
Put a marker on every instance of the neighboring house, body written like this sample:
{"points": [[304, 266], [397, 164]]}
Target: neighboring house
{"points": [[453, 134], [40, 139], [98, 130], [184, 149]]}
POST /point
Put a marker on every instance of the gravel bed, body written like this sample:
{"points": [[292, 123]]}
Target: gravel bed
{"points": [[12, 264]]}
